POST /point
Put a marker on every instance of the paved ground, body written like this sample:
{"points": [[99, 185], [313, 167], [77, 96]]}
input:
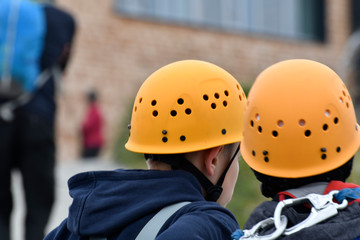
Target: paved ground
{"points": [[64, 171]]}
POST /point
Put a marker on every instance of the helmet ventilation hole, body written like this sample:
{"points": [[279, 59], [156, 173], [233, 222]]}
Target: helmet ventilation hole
{"points": [[135, 108], [302, 122], [237, 86], [188, 111], [205, 97], [251, 123], [213, 105], [164, 139], [226, 92], [253, 153], [338, 149], [173, 113], [275, 133], [327, 112], [164, 132], [323, 156], [155, 113], [325, 127], [344, 93], [336, 120], [153, 102], [140, 100], [280, 123], [356, 127], [266, 159], [341, 99], [225, 103], [259, 129], [216, 95], [240, 97], [180, 101], [323, 149], [347, 105], [257, 116], [223, 131], [182, 138], [307, 133]]}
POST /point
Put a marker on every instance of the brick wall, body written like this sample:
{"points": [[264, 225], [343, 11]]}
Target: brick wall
{"points": [[115, 55]]}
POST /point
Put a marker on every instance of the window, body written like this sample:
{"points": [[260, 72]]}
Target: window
{"points": [[355, 8], [301, 19]]}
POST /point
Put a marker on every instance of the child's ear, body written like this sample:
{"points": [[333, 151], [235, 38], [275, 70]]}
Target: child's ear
{"points": [[211, 159]]}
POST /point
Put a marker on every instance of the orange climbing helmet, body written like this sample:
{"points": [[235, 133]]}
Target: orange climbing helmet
{"points": [[186, 106], [299, 122]]}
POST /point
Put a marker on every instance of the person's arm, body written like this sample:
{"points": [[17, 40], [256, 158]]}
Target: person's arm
{"points": [[60, 32]]}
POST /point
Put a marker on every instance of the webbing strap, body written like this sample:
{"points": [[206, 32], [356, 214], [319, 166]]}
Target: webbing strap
{"points": [[348, 193], [151, 229]]}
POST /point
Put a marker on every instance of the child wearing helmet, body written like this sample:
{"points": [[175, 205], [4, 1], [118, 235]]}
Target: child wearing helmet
{"points": [[300, 138], [185, 121]]}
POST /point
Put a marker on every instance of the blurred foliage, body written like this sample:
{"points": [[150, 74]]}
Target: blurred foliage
{"points": [[246, 87], [246, 195], [355, 174], [121, 154]]}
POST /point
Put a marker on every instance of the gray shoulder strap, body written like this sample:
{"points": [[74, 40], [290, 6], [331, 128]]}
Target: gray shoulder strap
{"points": [[152, 228], [317, 187]]}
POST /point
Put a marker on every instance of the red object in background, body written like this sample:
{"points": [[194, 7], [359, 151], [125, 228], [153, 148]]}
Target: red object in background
{"points": [[92, 127]]}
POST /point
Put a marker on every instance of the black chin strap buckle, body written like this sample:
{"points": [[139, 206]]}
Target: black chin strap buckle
{"points": [[213, 193]]}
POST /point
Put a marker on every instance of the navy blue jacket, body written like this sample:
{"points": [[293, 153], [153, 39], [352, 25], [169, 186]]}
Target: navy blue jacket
{"points": [[118, 204]]}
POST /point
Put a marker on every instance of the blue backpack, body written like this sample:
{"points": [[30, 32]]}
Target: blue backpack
{"points": [[22, 34]]}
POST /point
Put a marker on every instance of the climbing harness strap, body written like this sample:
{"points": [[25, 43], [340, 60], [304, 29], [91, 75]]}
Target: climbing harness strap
{"points": [[349, 194], [323, 207], [152, 228]]}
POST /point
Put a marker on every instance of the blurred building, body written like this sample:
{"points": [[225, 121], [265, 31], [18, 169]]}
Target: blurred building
{"points": [[121, 42]]}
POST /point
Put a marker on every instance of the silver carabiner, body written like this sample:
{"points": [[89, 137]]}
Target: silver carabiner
{"points": [[254, 232], [322, 207]]}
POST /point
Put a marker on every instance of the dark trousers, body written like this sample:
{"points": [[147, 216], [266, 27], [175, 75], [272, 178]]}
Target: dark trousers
{"points": [[27, 144], [90, 152]]}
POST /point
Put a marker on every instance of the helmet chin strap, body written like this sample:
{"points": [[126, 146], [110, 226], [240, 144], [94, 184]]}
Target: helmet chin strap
{"points": [[177, 161]]}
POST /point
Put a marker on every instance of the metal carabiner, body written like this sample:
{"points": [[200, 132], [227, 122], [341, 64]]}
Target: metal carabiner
{"points": [[322, 207], [254, 232]]}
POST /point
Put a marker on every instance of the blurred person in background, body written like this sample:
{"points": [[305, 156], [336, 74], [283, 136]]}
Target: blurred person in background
{"points": [[92, 127], [27, 138]]}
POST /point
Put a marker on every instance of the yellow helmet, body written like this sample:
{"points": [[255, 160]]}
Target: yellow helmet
{"points": [[186, 106], [299, 122]]}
